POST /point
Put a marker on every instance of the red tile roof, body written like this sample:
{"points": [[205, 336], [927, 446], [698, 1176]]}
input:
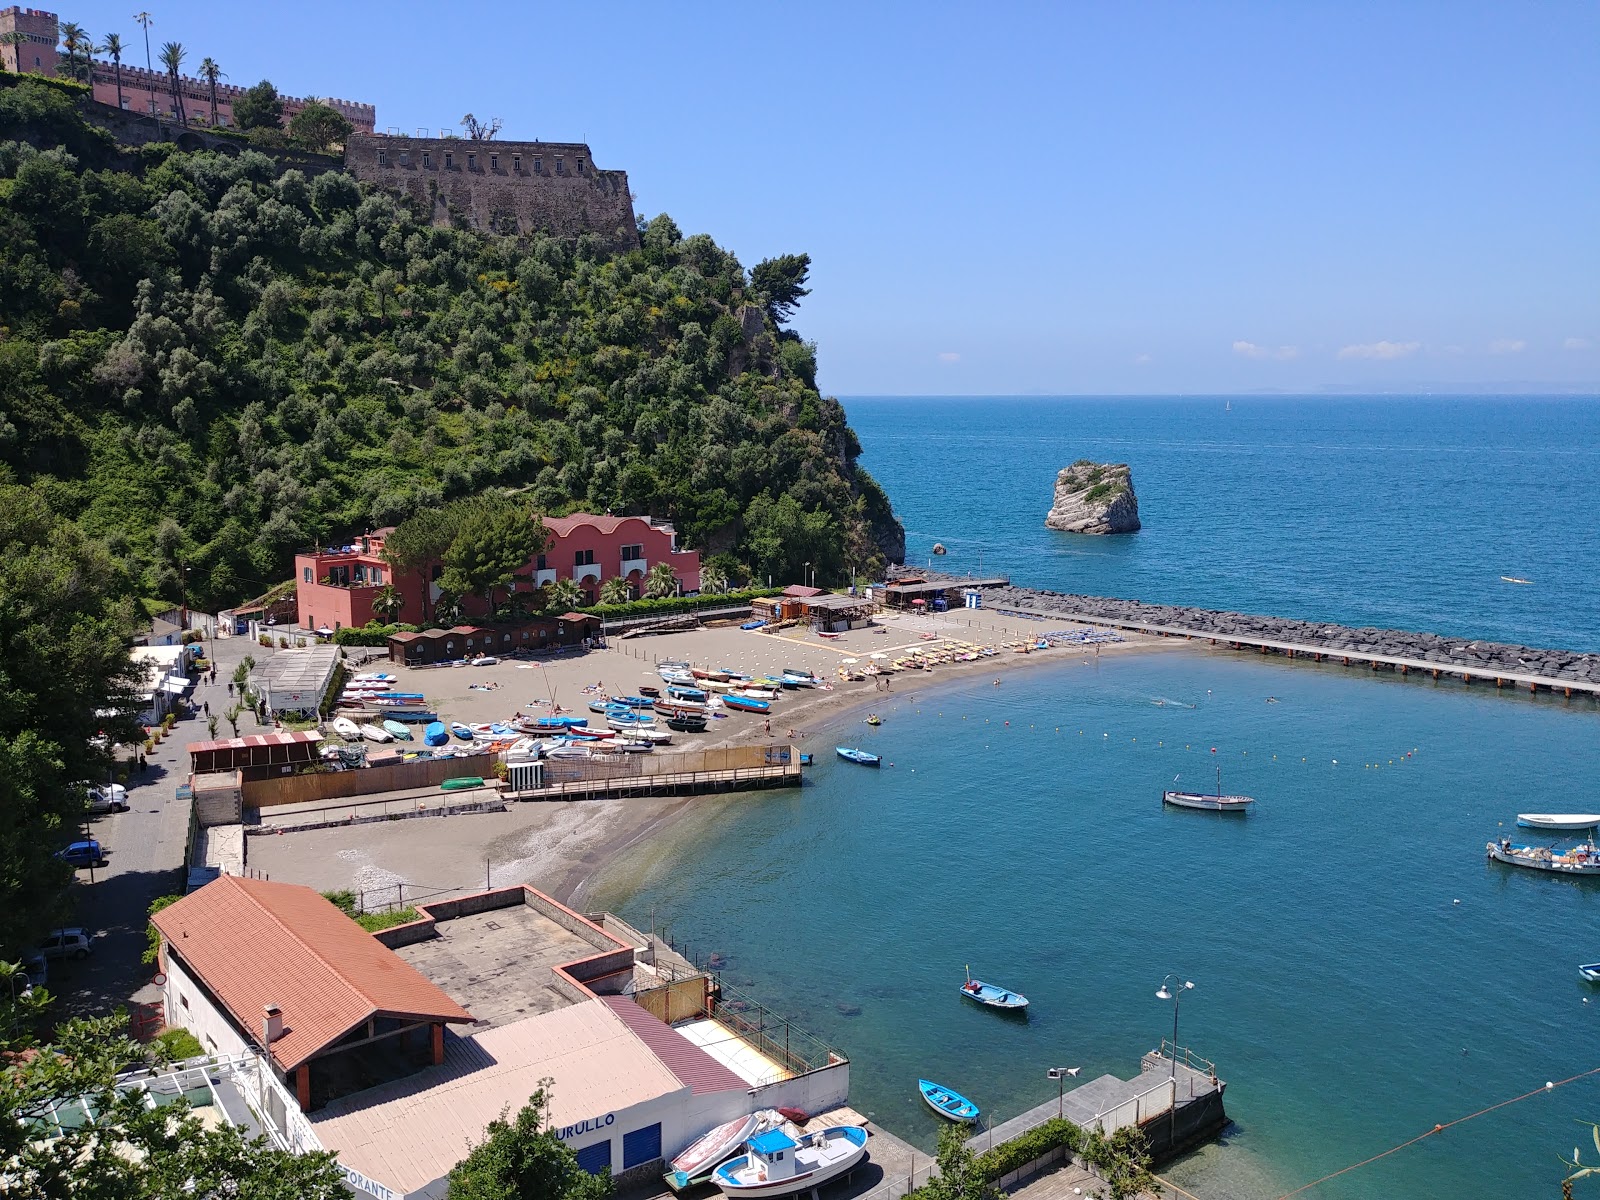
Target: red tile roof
{"points": [[254, 943], [692, 1066]]}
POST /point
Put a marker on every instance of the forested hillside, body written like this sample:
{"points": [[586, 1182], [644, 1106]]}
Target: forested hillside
{"points": [[209, 363]]}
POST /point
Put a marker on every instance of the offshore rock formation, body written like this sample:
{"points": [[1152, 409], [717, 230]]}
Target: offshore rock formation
{"points": [[1094, 498]]}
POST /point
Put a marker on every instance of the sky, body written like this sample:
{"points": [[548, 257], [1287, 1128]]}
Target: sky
{"points": [[1071, 198]]}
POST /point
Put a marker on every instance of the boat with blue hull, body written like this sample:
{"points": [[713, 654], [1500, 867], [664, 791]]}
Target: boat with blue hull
{"points": [[861, 757], [435, 734], [951, 1105], [992, 995], [745, 704]]}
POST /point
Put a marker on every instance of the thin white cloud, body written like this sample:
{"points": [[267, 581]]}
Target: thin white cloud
{"points": [[949, 356], [1141, 359], [1507, 346], [1251, 350], [1576, 344], [1380, 350]]}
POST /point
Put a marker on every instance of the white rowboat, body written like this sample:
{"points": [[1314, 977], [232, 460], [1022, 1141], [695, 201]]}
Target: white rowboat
{"points": [[1567, 821]]}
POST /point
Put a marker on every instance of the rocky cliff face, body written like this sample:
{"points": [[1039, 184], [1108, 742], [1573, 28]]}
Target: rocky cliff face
{"points": [[1094, 498]]}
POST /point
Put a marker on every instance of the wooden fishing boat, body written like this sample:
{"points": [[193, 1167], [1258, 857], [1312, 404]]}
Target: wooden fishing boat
{"points": [[1589, 971], [714, 676], [697, 1162], [951, 1105], [758, 693], [745, 704], [992, 995], [635, 701], [653, 693], [560, 722], [1571, 822], [861, 757], [1206, 801], [412, 716], [775, 1164], [684, 692], [673, 675], [463, 732], [376, 733], [347, 729], [687, 724], [1582, 859]]}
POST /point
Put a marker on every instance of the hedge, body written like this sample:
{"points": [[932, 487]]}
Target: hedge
{"points": [[370, 635], [667, 605], [1036, 1143]]}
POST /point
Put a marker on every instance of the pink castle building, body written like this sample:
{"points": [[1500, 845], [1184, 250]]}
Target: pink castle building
{"points": [[336, 587], [142, 90]]}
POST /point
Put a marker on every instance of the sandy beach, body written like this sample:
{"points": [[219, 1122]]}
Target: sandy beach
{"points": [[558, 846]]}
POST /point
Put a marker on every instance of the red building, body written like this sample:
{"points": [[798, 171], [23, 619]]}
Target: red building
{"points": [[336, 587]]}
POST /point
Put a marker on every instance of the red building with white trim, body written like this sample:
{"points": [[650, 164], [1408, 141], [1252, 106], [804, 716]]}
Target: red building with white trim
{"points": [[335, 588]]}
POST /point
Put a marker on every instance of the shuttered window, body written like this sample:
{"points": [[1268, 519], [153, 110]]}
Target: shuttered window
{"points": [[597, 1158], [641, 1146]]}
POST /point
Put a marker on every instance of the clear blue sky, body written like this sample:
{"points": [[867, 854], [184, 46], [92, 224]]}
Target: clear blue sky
{"points": [[1089, 197]]}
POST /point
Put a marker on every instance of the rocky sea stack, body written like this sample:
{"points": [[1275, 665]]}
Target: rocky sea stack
{"points": [[1094, 498]]}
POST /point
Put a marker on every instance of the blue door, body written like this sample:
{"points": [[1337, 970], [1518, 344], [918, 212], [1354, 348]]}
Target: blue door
{"points": [[641, 1146], [596, 1158]]}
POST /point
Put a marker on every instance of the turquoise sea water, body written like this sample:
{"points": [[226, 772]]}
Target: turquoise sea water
{"points": [[1346, 996]]}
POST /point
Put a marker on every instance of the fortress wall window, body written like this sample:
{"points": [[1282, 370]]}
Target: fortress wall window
{"points": [[494, 162], [538, 165], [516, 164], [427, 159], [383, 158], [472, 161], [405, 158], [449, 160]]}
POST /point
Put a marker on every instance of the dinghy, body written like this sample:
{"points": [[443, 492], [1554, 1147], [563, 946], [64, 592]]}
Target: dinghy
{"points": [[775, 1164], [560, 722], [1590, 971], [347, 729], [1559, 821], [464, 732], [374, 733], [745, 704], [635, 701], [851, 754], [696, 1163], [398, 730], [952, 1106], [992, 995], [435, 734]]}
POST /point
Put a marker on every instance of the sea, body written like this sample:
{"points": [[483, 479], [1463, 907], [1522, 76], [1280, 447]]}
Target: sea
{"points": [[1362, 974]]}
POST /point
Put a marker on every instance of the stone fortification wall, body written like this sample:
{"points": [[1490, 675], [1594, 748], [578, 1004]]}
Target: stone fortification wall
{"points": [[502, 187]]}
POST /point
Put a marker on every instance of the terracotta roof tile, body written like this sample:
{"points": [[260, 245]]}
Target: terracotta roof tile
{"points": [[255, 943], [689, 1064]]}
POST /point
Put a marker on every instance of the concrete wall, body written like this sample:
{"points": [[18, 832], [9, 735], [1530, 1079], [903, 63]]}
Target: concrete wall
{"points": [[190, 1006], [503, 187], [814, 1092], [303, 789]]}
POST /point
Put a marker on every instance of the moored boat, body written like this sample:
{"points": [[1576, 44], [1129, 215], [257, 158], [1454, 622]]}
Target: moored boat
{"points": [[1589, 971], [1207, 802], [992, 995], [1582, 859], [775, 1164], [1571, 822], [862, 757], [951, 1105], [560, 722]]}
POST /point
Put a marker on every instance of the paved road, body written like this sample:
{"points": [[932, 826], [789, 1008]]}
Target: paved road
{"points": [[145, 848]]}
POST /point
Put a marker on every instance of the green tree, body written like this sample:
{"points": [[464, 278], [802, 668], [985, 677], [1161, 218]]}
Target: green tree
{"points": [[172, 56], [562, 596], [63, 658], [211, 72], [319, 127], [782, 537], [960, 1176], [494, 539], [114, 47], [615, 591], [779, 283], [522, 1159], [660, 581], [75, 41], [259, 108], [387, 603], [712, 580], [231, 715], [417, 544]]}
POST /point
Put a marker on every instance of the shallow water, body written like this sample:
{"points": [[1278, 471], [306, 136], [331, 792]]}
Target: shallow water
{"points": [[1347, 998]]}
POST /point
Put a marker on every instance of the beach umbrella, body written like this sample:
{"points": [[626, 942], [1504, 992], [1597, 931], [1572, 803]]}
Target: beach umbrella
{"points": [[877, 656], [847, 660]]}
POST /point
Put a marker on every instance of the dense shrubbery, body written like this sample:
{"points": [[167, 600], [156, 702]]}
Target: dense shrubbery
{"points": [[372, 634], [667, 605], [210, 363]]}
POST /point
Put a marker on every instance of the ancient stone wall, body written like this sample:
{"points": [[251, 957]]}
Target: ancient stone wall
{"points": [[502, 187]]}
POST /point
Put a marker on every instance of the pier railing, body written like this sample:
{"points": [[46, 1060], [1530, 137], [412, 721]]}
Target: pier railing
{"points": [[772, 1035]]}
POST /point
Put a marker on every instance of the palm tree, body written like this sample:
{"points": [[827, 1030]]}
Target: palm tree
{"points": [[713, 580], [562, 596], [74, 39], [113, 46], [387, 603], [614, 591], [209, 71], [660, 581], [172, 54], [13, 37]]}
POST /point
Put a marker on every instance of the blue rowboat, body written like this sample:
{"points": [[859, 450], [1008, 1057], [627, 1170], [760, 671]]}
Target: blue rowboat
{"points": [[560, 722], [850, 754], [436, 734], [633, 701], [684, 692], [1590, 971], [745, 704], [953, 1106], [416, 716], [992, 995], [461, 731]]}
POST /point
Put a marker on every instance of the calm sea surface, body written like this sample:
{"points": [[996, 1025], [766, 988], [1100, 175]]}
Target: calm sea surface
{"points": [[1361, 973]]}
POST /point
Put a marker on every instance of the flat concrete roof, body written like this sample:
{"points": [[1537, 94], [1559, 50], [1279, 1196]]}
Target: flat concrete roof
{"points": [[496, 964]]}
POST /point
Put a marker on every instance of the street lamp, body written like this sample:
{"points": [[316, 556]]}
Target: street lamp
{"points": [[1060, 1074], [1175, 994]]}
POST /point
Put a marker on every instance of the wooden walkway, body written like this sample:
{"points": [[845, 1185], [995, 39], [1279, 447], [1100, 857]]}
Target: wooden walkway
{"points": [[679, 783], [1356, 658]]}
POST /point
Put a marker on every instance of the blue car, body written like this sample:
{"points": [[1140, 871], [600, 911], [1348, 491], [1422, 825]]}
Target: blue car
{"points": [[83, 854]]}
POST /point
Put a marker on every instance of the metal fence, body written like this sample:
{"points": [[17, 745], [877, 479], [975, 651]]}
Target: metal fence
{"points": [[771, 1034]]}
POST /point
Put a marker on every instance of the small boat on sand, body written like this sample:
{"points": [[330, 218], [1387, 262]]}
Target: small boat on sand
{"points": [[860, 757], [347, 729], [1559, 821], [376, 733], [745, 704], [435, 734], [1582, 859], [775, 1164], [952, 1106], [697, 1162], [398, 730], [634, 701], [992, 995], [464, 732]]}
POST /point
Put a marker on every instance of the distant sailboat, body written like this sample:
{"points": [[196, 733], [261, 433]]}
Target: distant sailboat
{"points": [[1227, 406]]}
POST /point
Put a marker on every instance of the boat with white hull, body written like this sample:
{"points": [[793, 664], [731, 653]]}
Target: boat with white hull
{"points": [[697, 1162], [775, 1164], [1582, 859], [1569, 822]]}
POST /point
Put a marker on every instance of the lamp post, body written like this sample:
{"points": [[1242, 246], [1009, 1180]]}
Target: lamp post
{"points": [[1175, 994], [1060, 1074]]}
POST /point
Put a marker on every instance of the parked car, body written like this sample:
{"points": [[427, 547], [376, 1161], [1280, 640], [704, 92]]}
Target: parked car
{"points": [[111, 798], [83, 854], [35, 970], [71, 942]]}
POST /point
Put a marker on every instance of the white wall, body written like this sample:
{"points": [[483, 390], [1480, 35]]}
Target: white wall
{"points": [[813, 1092], [187, 1005]]}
